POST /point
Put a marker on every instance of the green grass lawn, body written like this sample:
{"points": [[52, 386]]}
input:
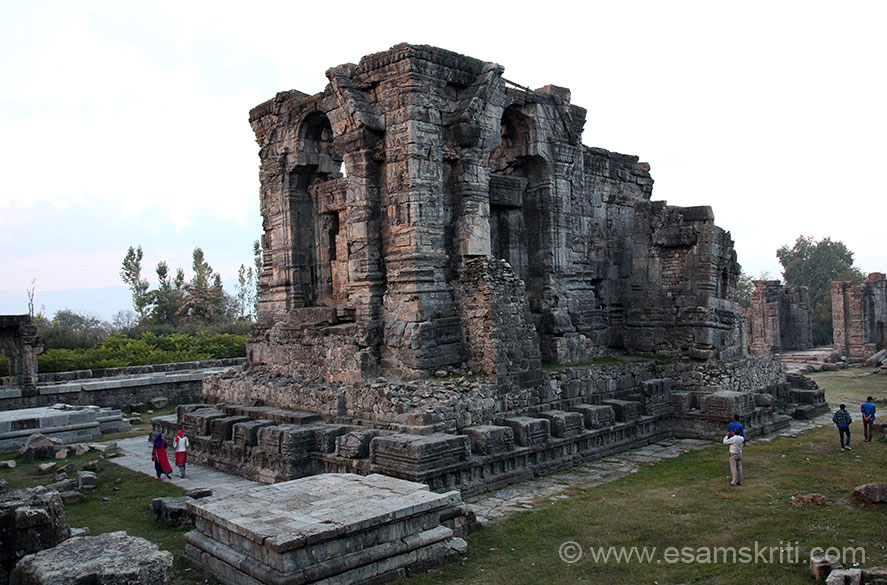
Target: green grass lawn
{"points": [[681, 502], [850, 387]]}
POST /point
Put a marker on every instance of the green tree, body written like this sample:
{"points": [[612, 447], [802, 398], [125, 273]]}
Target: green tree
{"points": [[257, 263], [205, 301], [72, 330], [131, 274], [167, 298], [815, 265], [744, 288]]}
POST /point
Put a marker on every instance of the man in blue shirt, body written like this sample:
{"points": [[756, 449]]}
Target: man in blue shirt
{"points": [[868, 419], [843, 419], [736, 428]]}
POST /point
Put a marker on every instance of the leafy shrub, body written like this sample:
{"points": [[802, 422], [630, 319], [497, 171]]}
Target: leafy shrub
{"points": [[119, 351]]}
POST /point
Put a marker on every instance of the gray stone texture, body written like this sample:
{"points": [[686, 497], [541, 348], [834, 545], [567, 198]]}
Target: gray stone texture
{"points": [[31, 520], [113, 558], [779, 318], [471, 226], [20, 343], [336, 528], [859, 317], [871, 493], [172, 511]]}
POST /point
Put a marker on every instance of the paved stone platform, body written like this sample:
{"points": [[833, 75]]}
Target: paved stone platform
{"points": [[331, 528], [68, 424], [136, 455]]}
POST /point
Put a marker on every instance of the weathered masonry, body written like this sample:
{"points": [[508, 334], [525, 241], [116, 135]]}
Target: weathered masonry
{"points": [[779, 318], [432, 234], [423, 212], [20, 343], [859, 316]]}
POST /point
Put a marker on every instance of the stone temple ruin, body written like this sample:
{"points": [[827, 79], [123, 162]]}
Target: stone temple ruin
{"points": [[433, 234], [859, 316], [779, 318], [20, 343]]}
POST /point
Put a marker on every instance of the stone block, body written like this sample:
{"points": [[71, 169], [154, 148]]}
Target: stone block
{"points": [[844, 577], [290, 441], [529, 431], [419, 453], [596, 416], [108, 559], [172, 511], [763, 399], [563, 424], [246, 433], [199, 422], [871, 493], [355, 444], [325, 436], [330, 528], [821, 566], [86, 481], [726, 403], [489, 439], [31, 520], [624, 410], [37, 447], [159, 402], [222, 429]]}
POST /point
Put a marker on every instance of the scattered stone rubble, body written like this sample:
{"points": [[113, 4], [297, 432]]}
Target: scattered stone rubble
{"points": [[113, 558], [342, 528], [859, 317], [31, 520]]}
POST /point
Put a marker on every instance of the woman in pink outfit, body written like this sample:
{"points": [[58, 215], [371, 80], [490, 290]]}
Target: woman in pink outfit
{"points": [[158, 456]]}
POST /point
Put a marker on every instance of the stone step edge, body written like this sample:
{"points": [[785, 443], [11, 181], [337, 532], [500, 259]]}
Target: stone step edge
{"points": [[334, 570]]}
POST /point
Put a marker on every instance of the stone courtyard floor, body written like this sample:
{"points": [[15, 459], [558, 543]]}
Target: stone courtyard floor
{"points": [[489, 507]]}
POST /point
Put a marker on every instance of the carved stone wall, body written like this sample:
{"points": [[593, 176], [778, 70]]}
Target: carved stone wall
{"points": [[859, 316], [20, 343], [377, 193], [779, 318]]}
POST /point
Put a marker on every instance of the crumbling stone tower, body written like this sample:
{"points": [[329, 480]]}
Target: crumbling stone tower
{"points": [[859, 315], [20, 343], [779, 318], [424, 212]]}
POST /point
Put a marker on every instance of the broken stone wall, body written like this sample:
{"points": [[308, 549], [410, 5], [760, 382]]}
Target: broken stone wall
{"points": [[20, 343], [779, 318], [859, 316]]}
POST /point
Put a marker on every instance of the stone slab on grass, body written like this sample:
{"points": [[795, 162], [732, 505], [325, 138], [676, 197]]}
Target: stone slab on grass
{"points": [[342, 527], [113, 558]]}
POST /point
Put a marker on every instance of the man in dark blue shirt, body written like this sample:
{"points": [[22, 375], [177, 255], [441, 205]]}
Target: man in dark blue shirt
{"points": [[868, 419], [736, 428]]}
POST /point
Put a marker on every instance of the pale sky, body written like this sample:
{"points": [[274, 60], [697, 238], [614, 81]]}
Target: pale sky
{"points": [[126, 123]]}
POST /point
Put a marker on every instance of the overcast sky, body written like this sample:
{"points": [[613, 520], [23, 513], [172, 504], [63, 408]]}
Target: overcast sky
{"points": [[126, 123]]}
